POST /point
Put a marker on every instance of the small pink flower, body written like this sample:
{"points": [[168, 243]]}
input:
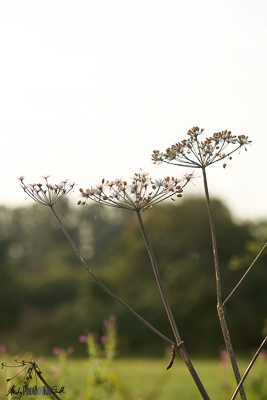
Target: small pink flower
{"points": [[112, 318], [103, 339], [2, 349], [223, 353], [53, 368], [70, 350], [105, 323], [224, 356], [82, 338], [41, 360], [56, 351]]}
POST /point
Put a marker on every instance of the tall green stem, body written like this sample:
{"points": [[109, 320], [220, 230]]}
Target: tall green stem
{"points": [[180, 343], [220, 307]]}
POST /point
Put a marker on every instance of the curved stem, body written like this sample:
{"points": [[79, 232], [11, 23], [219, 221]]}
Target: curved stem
{"points": [[102, 285], [179, 342], [220, 308]]}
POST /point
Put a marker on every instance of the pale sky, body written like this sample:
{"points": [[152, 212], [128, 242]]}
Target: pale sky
{"points": [[88, 89]]}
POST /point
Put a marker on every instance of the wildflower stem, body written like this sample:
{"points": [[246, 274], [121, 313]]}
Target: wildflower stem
{"points": [[220, 308], [102, 285], [179, 342], [245, 274], [249, 368]]}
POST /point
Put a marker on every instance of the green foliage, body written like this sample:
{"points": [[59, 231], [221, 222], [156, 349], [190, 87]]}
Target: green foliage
{"points": [[181, 241], [41, 277], [45, 293], [103, 380]]}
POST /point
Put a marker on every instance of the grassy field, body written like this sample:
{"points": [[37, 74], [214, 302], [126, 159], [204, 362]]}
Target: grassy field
{"points": [[149, 379], [137, 379]]}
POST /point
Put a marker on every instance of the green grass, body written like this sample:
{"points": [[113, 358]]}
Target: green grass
{"points": [[142, 379], [149, 379]]}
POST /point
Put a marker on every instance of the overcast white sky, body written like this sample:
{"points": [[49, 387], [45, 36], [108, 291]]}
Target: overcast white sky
{"points": [[89, 88]]}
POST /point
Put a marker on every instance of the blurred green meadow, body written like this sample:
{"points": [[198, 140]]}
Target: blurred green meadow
{"points": [[139, 379]]}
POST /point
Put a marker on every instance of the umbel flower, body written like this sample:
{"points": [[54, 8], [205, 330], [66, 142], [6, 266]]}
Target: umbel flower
{"points": [[46, 193], [192, 152], [139, 195]]}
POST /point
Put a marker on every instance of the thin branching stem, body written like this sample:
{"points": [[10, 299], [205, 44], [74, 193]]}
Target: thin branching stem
{"points": [[180, 343], [220, 308], [249, 368], [245, 274], [103, 286]]}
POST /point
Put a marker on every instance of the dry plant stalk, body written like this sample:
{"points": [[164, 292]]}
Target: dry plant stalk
{"points": [[143, 193], [140, 195], [193, 152]]}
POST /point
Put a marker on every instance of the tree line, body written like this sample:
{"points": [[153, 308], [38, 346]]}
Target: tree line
{"points": [[48, 299]]}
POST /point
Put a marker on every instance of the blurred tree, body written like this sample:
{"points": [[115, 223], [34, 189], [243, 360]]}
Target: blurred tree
{"points": [[9, 287], [47, 299], [40, 274], [181, 241]]}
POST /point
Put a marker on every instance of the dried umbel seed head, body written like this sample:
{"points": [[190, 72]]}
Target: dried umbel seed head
{"points": [[140, 194], [26, 371], [46, 193], [192, 152]]}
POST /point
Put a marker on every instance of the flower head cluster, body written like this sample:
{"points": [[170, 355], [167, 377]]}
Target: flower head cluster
{"points": [[46, 193], [138, 195], [192, 152]]}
